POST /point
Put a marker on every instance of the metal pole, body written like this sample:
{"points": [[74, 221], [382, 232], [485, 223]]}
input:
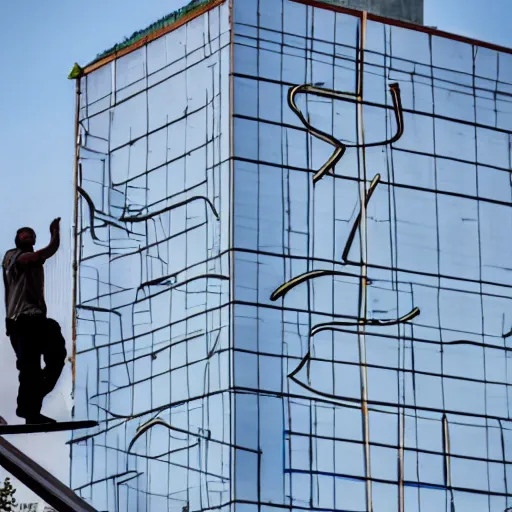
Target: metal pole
{"points": [[76, 184]]}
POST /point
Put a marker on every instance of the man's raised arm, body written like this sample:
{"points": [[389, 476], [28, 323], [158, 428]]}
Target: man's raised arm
{"points": [[47, 252]]}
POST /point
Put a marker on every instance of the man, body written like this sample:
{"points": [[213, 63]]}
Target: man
{"points": [[32, 334]]}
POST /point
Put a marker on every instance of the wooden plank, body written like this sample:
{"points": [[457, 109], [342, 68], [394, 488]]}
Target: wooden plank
{"points": [[47, 427]]}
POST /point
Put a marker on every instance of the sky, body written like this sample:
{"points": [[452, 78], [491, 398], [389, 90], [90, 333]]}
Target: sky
{"points": [[40, 41]]}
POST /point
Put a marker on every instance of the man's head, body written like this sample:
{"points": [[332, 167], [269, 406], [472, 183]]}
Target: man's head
{"points": [[25, 238]]}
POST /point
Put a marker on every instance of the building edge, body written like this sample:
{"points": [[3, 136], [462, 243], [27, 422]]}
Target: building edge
{"points": [[96, 64]]}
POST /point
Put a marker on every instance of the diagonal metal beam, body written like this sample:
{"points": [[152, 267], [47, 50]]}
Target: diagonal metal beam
{"points": [[40, 481]]}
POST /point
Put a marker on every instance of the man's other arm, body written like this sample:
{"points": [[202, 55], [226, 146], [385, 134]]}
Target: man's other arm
{"points": [[6, 290], [6, 286]]}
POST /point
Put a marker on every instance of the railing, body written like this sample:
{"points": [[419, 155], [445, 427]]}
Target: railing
{"points": [[40, 481]]}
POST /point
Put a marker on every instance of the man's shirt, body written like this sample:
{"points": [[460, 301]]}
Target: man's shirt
{"points": [[24, 284]]}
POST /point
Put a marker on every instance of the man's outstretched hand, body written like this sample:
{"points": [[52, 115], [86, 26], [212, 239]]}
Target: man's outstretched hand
{"points": [[55, 227]]}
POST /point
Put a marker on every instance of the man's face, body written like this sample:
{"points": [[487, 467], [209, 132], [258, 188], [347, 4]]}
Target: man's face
{"points": [[27, 238]]}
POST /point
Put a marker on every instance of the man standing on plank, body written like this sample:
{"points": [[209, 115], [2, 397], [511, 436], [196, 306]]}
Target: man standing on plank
{"points": [[32, 334]]}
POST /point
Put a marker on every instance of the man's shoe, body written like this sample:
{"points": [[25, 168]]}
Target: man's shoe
{"points": [[39, 419]]}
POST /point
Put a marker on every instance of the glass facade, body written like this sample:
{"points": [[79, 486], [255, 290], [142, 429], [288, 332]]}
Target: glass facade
{"points": [[153, 362], [294, 280]]}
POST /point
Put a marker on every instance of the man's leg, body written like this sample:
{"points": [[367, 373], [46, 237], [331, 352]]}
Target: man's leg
{"points": [[24, 339], [54, 354]]}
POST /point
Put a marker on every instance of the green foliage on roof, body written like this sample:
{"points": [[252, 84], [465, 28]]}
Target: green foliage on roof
{"points": [[161, 23], [76, 72]]}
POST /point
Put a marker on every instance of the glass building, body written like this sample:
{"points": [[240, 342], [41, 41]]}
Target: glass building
{"points": [[293, 283]]}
